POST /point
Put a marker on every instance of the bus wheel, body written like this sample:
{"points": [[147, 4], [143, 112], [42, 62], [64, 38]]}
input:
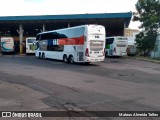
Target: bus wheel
{"points": [[39, 55], [65, 58], [106, 54], [71, 59], [87, 63], [43, 56]]}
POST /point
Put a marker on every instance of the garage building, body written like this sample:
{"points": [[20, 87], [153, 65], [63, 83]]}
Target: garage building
{"points": [[20, 27]]}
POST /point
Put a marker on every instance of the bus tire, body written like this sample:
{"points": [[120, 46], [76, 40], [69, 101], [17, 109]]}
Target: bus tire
{"points": [[87, 63], [65, 59], [71, 59], [106, 54], [39, 55], [43, 56]]}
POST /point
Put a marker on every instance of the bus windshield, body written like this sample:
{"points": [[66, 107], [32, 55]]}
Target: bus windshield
{"points": [[121, 42], [109, 40], [96, 45], [31, 40]]}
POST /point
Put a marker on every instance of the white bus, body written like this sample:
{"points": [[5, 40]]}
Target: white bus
{"points": [[79, 44], [131, 48], [116, 46], [7, 44], [30, 46]]}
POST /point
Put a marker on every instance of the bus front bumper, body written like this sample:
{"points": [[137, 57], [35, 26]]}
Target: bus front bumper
{"points": [[120, 54]]}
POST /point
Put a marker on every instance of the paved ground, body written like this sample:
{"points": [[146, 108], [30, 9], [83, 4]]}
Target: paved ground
{"points": [[28, 83]]}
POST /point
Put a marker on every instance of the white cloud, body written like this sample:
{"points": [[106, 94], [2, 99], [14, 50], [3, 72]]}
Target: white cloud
{"points": [[33, 7], [52, 7]]}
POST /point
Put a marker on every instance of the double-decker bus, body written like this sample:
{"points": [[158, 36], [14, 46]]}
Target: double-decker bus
{"points": [[7, 44], [30, 46], [79, 44], [116, 46]]}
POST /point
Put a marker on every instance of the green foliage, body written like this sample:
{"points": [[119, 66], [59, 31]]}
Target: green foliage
{"points": [[146, 42], [148, 13]]}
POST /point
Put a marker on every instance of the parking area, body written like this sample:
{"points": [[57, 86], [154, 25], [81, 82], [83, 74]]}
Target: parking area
{"points": [[117, 84]]}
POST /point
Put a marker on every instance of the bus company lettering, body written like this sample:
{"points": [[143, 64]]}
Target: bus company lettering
{"points": [[28, 114], [55, 41], [34, 115], [19, 114]]}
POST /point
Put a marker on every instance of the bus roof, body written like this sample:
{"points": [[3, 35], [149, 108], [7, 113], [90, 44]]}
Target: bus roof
{"points": [[31, 38], [70, 28], [6, 37]]}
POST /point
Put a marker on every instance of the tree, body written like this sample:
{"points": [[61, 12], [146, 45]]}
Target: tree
{"points": [[148, 13], [146, 42]]}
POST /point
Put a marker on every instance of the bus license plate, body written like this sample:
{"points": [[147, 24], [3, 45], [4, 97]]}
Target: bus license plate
{"points": [[96, 52], [100, 55]]}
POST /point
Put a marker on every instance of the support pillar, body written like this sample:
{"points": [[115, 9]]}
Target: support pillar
{"points": [[21, 38], [44, 27], [68, 24], [124, 29]]}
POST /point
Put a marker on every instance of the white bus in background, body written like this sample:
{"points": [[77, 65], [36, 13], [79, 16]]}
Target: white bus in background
{"points": [[131, 48], [30, 46], [81, 44], [7, 45], [116, 46]]}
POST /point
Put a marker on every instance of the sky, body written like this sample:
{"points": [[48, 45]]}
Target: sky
{"points": [[55, 7]]}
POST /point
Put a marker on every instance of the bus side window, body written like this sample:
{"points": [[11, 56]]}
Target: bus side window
{"points": [[58, 47], [109, 41]]}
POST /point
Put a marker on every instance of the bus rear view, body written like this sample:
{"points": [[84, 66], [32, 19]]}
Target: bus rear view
{"points": [[7, 45], [30, 46], [116, 46], [95, 44]]}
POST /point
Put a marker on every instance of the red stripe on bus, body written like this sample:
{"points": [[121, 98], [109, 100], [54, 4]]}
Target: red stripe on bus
{"points": [[71, 41]]}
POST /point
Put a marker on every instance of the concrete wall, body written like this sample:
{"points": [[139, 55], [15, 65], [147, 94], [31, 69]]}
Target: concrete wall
{"points": [[156, 52]]}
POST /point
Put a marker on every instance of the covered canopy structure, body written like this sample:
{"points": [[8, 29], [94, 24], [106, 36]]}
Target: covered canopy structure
{"points": [[20, 27]]}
